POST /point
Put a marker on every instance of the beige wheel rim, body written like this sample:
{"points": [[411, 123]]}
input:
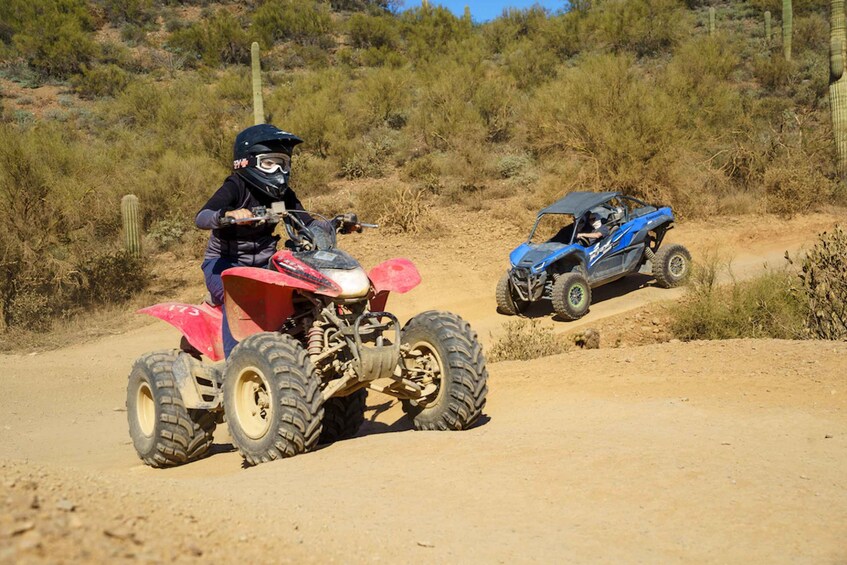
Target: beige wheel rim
{"points": [[430, 370], [145, 409], [253, 402]]}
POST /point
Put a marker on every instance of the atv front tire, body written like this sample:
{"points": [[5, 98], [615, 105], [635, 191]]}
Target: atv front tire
{"points": [[672, 266], [571, 296], [506, 302], [164, 432], [343, 416], [272, 400], [445, 352]]}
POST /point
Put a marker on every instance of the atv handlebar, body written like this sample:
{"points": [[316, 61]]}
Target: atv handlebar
{"points": [[302, 236]]}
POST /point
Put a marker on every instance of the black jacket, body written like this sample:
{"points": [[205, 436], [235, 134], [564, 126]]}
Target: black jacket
{"points": [[251, 244]]}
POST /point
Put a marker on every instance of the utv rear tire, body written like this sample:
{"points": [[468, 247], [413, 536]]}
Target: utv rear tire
{"points": [[450, 349], [672, 266], [506, 302], [164, 432], [571, 296], [272, 398], [343, 416]]}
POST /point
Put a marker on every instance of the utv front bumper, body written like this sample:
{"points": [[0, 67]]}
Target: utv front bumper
{"points": [[528, 287]]}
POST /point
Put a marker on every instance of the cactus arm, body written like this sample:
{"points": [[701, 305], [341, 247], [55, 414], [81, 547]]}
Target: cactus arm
{"points": [[768, 33], [838, 84]]}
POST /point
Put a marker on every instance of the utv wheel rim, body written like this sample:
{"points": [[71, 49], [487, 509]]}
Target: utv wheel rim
{"points": [[430, 370], [145, 409], [252, 403], [677, 266], [576, 295]]}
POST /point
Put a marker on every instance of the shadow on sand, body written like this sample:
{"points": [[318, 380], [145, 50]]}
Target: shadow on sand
{"points": [[617, 289]]}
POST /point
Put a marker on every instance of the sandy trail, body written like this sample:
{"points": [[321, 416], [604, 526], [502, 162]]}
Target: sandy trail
{"points": [[698, 452]]}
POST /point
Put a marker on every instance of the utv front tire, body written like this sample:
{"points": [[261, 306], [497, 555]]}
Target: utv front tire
{"points": [[571, 296], [506, 302], [672, 266], [343, 416], [271, 398], [445, 352], [164, 432]]}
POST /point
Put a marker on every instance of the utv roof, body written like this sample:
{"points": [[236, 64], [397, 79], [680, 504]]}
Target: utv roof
{"points": [[578, 203]]}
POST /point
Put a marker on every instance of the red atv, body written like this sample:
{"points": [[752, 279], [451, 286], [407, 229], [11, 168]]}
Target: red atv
{"points": [[314, 336]]}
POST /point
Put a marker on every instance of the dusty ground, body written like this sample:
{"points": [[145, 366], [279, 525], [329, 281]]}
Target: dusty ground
{"points": [[672, 452]]}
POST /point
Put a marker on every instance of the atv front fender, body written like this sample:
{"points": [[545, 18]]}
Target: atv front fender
{"points": [[395, 275], [201, 325], [259, 300]]}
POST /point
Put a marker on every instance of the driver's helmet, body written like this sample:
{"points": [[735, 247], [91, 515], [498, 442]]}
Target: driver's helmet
{"points": [[594, 220], [262, 157]]}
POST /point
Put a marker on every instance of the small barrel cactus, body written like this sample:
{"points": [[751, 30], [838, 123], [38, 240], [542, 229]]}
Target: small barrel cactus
{"points": [[131, 224], [258, 103]]}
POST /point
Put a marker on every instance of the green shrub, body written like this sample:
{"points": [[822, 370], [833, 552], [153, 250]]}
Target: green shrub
{"points": [[397, 208], [824, 286], [378, 32], [763, 307], [217, 39], [643, 27], [100, 80], [56, 43], [307, 22], [524, 339]]}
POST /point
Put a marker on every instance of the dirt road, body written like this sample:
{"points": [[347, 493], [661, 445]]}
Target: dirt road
{"points": [[679, 452]]}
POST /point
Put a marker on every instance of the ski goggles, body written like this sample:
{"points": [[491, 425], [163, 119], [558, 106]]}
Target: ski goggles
{"points": [[266, 162]]}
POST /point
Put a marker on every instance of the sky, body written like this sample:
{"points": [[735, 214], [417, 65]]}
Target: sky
{"points": [[483, 11]]}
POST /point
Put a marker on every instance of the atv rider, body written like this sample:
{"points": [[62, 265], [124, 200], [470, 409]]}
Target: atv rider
{"points": [[262, 165], [599, 231]]}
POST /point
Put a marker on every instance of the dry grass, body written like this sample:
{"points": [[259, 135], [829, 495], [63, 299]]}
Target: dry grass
{"points": [[523, 339]]}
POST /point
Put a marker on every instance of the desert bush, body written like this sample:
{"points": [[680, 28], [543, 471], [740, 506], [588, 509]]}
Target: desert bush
{"points": [[525, 339], [396, 207], [55, 41], [217, 39], [795, 186], [643, 27], [763, 307], [100, 80], [429, 32], [607, 111], [135, 11], [307, 22], [824, 286], [374, 31]]}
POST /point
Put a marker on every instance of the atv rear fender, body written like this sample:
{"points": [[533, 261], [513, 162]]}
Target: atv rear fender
{"points": [[260, 300], [395, 275], [201, 325]]}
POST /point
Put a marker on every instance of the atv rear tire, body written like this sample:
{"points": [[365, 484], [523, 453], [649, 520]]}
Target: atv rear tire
{"points": [[506, 302], [449, 356], [272, 398], [164, 432], [571, 295], [672, 266], [343, 416]]}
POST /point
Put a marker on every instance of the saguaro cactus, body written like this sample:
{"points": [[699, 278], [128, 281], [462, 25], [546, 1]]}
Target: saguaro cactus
{"points": [[131, 223], [712, 20], [768, 33], [787, 28], [258, 104], [838, 83]]}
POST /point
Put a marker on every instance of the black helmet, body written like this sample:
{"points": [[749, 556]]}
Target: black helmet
{"points": [[262, 157]]}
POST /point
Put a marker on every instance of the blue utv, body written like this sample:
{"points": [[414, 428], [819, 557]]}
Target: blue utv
{"points": [[585, 240]]}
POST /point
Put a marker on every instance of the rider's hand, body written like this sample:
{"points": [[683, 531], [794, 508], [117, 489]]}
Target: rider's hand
{"points": [[240, 214]]}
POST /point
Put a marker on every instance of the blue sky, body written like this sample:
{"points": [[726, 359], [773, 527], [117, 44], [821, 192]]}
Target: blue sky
{"points": [[484, 11]]}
